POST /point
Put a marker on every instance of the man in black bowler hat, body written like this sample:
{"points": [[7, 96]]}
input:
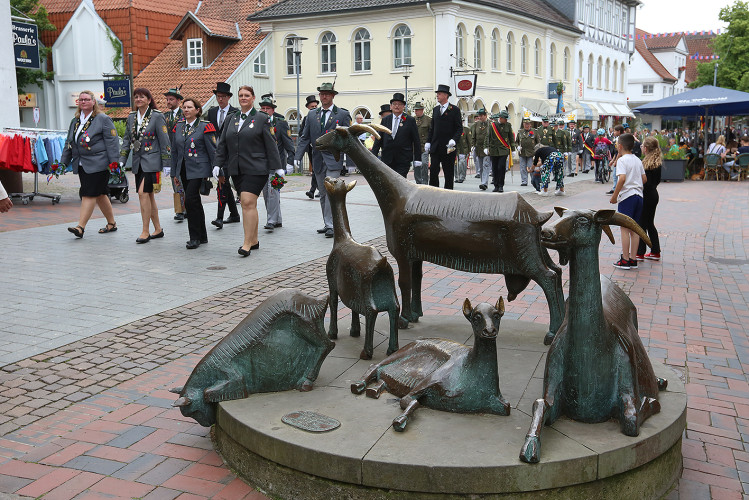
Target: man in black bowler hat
{"points": [[219, 115], [172, 116], [444, 135], [312, 103], [402, 145], [384, 111]]}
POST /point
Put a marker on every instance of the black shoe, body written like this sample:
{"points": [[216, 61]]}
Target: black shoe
{"points": [[310, 194], [179, 217], [203, 242], [278, 224], [269, 227], [477, 176], [157, 235], [458, 181], [255, 246], [192, 244], [218, 223], [243, 252], [329, 232], [497, 189], [570, 175], [344, 172], [144, 240], [231, 219], [482, 187], [523, 183], [610, 192], [317, 195], [322, 230]]}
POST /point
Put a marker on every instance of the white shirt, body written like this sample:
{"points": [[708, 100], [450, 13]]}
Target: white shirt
{"points": [[84, 119], [324, 114], [140, 118], [189, 125], [443, 107], [631, 167], [241, 121]]}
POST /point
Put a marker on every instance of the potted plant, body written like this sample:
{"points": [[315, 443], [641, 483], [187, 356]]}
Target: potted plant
{"points": [[674, 164]]}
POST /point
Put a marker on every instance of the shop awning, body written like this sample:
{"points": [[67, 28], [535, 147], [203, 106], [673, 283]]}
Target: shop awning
{"points": [[607, 108], [539, 107], [586, 111], [623, 110]]}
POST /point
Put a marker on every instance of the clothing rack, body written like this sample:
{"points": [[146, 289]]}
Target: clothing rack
{"points": [[27, 197]]}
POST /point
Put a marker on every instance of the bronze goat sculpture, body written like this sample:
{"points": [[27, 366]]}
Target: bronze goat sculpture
{"points": [[470, 232], [359, 275], [442, 374], [597, 367]]}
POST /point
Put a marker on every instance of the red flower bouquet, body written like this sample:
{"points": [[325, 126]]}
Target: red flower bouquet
{"points": [[56, 170], [277, 182]]}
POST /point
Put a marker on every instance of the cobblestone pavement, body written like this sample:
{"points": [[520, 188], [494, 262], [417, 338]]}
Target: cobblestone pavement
{"points": [[92, 418]]}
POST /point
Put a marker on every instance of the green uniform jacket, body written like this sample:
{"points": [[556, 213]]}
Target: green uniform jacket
{"points": [[545, 135], [465, 142], [478, 133], [422, 124], [493, 144], [562, 141], [527, 139]]}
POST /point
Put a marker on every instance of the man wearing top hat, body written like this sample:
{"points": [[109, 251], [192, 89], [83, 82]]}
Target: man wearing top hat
{"points": [[444, 135], [526, 140], [479, 128], [218, 116], [322, 120], [423, 122], [311, 104], [384, 112], [402, 145], [282, 134], [172, 116]]}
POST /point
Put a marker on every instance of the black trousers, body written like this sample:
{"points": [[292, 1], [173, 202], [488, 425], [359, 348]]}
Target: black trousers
{"points": [[499, 168], [226, 198], [313, 185], [194, 207], [647, 223], [447, 163], [401, 168]]}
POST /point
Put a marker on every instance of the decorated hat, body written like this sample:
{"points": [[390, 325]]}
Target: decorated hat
{"points": [[327, 87], [545, 119], [572, 120], [385, 108], [481, 111], [494, 116], [267, 100], [586, 126], [504, 114], [526, 120], [398, 97], [224, 88], [560, 121], [418, 105], [310, 100], [443, 88], [174, 91]]}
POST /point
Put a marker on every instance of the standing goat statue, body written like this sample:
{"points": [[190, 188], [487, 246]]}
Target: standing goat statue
{"points": [[360, 275], [597, 367], [442, 374], [473, 232]]}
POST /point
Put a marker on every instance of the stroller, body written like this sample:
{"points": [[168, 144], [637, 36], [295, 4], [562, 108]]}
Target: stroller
{"points": [[118, 186]]}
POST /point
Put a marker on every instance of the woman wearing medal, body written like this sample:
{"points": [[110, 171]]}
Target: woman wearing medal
{"points": [[249, 151], [91, 149], [147, 140], [192, 156]]}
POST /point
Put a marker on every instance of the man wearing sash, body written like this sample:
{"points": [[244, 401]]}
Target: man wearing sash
{"points": [[172, 116], [499, 143]]}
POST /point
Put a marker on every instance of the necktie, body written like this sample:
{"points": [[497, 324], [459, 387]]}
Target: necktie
{"points": [[443, 110], [396, 121], [221, 118], [322, 117], [244, 116]]}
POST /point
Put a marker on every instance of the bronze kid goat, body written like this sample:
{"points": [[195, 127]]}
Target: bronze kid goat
{"points": [[474, 232]]}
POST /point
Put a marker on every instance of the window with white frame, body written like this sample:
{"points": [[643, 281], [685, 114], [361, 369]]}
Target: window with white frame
{"points": [[622, 78], [552, 61], [327, 53], [599, 72], [495, 49], [647, 89], [590, 70], [537, 57], [566, 70], [478, 38], [608, 73], [524, 54], [510, 50], [580, 62], [401, 46], [362, 59], [613, 80], [194, 52], [290, 56], [259, 66], [460, 46]]}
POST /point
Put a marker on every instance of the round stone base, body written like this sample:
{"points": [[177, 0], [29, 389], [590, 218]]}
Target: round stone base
{"points": [[441, 454]]}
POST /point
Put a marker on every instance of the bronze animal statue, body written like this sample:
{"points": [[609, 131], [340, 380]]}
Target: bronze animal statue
{"points": [[279, 346], [597, 367], [442, 374], [360, 275], [471, 232]]}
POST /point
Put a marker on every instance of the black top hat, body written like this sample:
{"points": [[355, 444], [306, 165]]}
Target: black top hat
{"points": [[310, 100], [385, 108], [443, 88], [174, 92], [224, 88], [398, 97]]}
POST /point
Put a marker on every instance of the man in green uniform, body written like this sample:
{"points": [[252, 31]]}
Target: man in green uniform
{"points": [[526, 140], [172, 116], [464, 149], [478, 134], [499, 143], [563, 143], [423, 122], [545, 132]]}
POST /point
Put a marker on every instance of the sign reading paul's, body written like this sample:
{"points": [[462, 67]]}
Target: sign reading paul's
{"points": [[117, 93], [26, 45]]}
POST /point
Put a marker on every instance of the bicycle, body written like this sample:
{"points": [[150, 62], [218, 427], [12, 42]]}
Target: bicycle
{"points": [[603, 173]]}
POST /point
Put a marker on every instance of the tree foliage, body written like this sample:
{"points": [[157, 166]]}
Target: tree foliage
{"points": [[732, 45], [34, 10]]}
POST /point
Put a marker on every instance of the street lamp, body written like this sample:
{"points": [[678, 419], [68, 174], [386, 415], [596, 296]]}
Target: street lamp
{"points": [[406, 74], [296, 48]]}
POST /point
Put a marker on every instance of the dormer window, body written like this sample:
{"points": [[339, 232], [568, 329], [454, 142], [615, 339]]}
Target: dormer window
{"points": [[194, 52]]}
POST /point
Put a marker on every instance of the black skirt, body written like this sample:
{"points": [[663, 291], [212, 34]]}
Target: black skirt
{"points": [[147, 178], [93, 185], [249, 183]]}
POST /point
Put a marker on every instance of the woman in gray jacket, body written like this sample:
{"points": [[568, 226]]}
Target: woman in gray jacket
{"points": [[91, 149], [249, 151], [147, 140]]}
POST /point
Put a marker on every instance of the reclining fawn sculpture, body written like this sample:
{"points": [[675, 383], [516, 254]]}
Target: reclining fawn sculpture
{"points": [[360, 275], [471, 232], [597, 367], [442, 374]]}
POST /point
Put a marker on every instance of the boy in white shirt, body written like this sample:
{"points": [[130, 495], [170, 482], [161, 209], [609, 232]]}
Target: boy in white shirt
{"points": [[628, 195]]}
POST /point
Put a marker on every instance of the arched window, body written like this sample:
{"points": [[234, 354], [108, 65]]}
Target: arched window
{"points": [[580, 65], [495, 49], [362, 61], [566, 69], [364, 112], [510, 50], [290, 67], [599, 72], [478, 39], [622, 79], [608, 74], [552, 55], [613, 80], [401, 46], [460, 54], [524, 54], [590, 71], [327, 52]]}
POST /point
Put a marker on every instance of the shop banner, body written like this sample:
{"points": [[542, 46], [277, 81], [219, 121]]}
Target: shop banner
{"points": [[117, 93]]}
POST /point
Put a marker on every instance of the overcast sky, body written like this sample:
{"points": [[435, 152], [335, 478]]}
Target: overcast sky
{"points": [[663, 16]]}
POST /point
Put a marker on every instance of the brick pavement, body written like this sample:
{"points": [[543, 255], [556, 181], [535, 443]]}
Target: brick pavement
{"points": [[93, 419]]}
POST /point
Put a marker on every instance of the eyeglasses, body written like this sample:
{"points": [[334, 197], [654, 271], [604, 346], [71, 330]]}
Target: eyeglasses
{"points": [[84, 99]]}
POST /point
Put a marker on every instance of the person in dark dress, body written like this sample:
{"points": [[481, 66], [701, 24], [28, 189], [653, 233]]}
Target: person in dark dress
{"points": [[652, 165]]}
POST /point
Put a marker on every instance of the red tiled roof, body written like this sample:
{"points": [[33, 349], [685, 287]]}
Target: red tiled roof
{"points": [[652, 61], [173, 7], [663, 42], [697, 44], [214, 27]]}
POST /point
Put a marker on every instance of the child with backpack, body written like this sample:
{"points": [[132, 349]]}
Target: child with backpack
{"points": [[601, 153]]}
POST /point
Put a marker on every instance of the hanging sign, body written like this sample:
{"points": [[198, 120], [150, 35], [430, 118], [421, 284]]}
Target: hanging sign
{"points": [[27, 100], [26, 45], [465, 85], [117, 93]]}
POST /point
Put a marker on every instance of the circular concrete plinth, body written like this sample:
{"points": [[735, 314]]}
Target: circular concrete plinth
{"points": [[445, 455]]}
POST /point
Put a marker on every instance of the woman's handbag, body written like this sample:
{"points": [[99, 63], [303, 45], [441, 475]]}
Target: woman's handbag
{"points": [[205, 187]]}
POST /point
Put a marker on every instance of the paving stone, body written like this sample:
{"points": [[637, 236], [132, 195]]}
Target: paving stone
{"points": [[94, 464]]}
